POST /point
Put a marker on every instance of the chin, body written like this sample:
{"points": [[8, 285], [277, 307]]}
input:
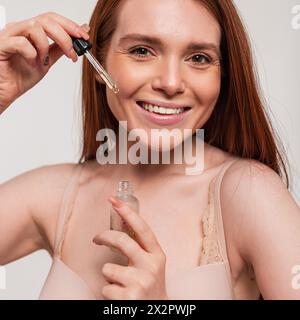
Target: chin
{"points": [[159, 147]]}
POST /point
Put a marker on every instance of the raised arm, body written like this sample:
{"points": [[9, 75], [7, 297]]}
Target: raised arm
{"points": [[29, 206], [29, 202], [265, 226]]}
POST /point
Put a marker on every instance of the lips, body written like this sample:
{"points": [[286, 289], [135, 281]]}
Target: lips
{"points": [[163, 119], [165, 104]]}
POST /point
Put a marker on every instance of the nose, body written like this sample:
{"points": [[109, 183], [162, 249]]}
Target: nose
{"points": [[169, 78]]}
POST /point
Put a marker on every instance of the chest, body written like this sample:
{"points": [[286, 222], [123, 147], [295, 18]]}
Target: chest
{"points": [[174, 214], [177, 225]]}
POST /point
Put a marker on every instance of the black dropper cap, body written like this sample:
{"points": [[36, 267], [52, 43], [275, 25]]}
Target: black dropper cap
{"points": [[81, 46]]}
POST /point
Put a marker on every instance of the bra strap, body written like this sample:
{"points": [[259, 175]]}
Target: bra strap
{"points": [[66, 208], [218, 210], [220, 232], [214, 242]]}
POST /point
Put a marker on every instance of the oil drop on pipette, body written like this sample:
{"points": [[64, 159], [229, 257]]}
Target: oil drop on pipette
{"points": [[82, 47]]}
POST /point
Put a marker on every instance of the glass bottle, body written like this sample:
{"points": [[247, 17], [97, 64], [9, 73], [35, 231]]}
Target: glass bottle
{"points": [[125, 194]]}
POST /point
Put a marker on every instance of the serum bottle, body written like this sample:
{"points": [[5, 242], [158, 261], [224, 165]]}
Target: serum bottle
{"points": [[125, 193]]}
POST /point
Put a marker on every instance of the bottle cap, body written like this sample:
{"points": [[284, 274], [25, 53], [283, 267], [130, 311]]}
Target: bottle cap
{"points": [[81, 46], [125, 186]]}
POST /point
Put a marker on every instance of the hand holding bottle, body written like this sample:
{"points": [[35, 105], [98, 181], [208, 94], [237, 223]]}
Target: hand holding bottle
{"points": [[25, 53], [144, 277]]}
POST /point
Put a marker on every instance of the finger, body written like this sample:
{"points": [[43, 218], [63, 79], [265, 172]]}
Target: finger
{"points": [[124, 243], [144, 235], [58, 28], [9, 24], [86, 27], [18, 28], [18, 45], [114, 292], [25, 28], [62, 38], [70, 26], [55, 53], [123, 275], [40, 41]]}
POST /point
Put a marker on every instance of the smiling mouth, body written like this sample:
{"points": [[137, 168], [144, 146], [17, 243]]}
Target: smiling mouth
{"points": [[161, 110]]}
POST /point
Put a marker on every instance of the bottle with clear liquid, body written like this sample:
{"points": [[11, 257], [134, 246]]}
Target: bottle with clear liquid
{"points": [[125, 194]]}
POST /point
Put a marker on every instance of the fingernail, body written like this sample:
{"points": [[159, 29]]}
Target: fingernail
{"points": [[84, 35], [73, 55], [97, 241], [46, 60], [112, 199], [115, 202], [83, 32], [86, 27]]}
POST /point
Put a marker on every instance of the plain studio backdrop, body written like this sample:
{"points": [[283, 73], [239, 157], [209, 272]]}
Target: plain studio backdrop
{"points": [[44, 126]]}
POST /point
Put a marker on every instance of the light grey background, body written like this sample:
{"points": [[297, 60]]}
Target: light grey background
{"points": [[43, 126]]}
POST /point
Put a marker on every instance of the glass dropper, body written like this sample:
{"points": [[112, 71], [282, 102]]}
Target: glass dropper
{"points": [[82, 47]]}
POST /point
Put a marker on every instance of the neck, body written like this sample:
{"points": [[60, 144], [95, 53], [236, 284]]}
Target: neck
{"points": [[186, 157]]}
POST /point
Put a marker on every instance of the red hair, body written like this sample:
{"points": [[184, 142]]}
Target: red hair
{"points": [[239, 123]]}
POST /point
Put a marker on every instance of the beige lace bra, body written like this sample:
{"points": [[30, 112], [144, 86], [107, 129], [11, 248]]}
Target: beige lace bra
{"points": [[211, 279]]}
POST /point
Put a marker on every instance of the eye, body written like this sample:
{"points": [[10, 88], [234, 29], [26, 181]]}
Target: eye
{"points": [[200, 57], [143, 52], [140, 52]]}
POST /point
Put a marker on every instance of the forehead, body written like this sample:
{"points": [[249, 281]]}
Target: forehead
{"points": [[185, 20]]}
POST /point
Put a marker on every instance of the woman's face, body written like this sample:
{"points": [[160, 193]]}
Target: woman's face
{"points": [[164, 54]]}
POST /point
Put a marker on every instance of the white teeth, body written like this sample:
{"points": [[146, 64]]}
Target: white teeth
{"points": [[161, 110]]}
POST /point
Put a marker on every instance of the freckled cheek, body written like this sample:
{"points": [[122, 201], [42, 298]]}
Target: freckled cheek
{"points": [[207, 89], [130, 78]]}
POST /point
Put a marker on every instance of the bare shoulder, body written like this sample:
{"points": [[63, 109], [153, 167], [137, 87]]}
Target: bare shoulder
{"points": [[249, 181], [49, 183], [29, 206], [94, 172], [262, 223], [249, 187], [252, 170], [45, 181]]}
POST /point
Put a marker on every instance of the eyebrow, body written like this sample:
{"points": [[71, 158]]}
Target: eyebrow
{"points": [[156, 41]]}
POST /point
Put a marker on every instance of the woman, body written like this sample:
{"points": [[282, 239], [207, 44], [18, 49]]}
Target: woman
{"points": [[225, 233]]}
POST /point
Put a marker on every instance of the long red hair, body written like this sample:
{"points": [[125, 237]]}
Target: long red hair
{"points": [[239, 124]]}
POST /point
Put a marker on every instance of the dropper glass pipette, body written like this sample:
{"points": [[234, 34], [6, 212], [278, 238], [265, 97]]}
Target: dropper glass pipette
{"points": [[82, 47]]}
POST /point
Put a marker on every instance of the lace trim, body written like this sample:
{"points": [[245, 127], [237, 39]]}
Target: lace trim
{"points": [[66, 209], [211, 252]]}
